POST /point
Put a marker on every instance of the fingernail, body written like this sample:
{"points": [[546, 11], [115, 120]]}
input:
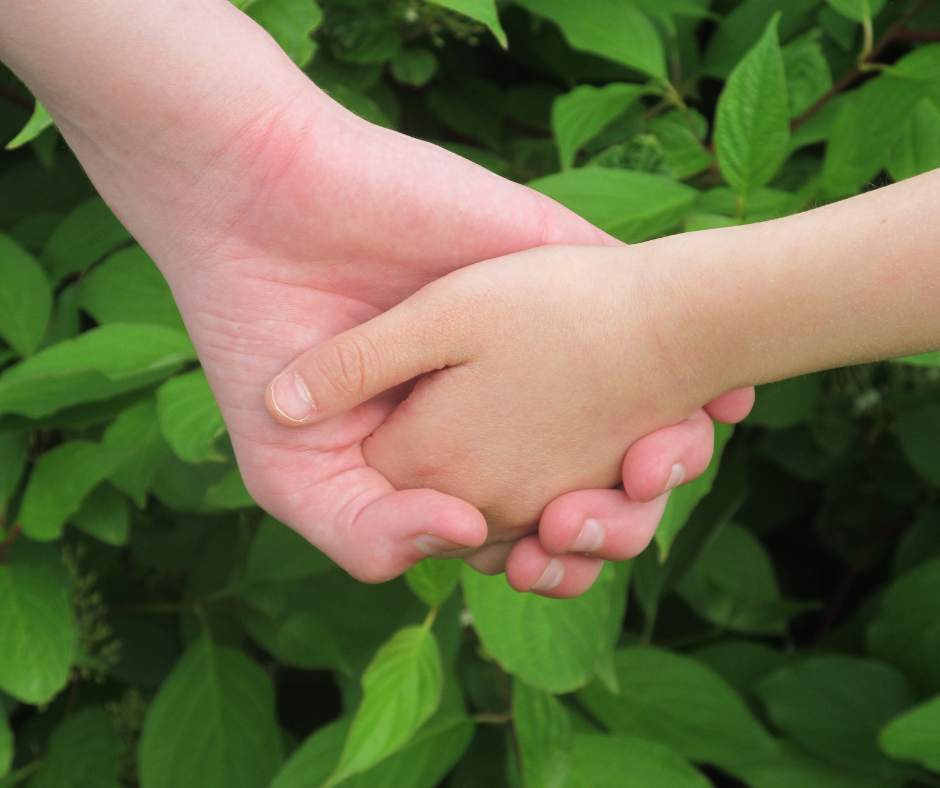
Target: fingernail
{"points": [[291, 398], [590, 538], [435, 545], [554, 573], [675, 478]]}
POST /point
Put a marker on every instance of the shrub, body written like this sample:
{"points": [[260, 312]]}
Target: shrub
{"points": [[157, 629]]}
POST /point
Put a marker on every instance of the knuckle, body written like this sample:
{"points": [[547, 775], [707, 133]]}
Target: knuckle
{"points": [[345, 366]]}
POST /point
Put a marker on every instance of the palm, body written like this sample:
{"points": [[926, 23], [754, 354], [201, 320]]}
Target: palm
{"points": [[325, 239]]}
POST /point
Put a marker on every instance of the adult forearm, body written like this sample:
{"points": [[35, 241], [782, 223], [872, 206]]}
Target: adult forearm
{"points": [[149, 93], [851, 282]]}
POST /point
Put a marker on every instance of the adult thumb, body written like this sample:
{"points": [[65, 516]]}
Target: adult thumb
{"points": [[358, 364]]}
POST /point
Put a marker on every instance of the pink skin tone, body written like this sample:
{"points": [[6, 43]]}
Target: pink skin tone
{"points": [[280, 220]]}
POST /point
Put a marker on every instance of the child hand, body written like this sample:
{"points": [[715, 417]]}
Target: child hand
{"points": [[545, 367]]}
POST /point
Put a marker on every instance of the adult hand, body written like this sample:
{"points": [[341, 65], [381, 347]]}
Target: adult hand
{"points": [[279, 220]]}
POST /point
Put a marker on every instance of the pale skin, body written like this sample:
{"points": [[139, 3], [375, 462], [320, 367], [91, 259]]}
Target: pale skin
{"points": [[280, 220], [537, 383]]}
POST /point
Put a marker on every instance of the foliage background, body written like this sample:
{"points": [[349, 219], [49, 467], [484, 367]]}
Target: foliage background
{"points": [[156, 629]]}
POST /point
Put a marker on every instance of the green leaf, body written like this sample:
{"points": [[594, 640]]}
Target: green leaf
{"points": [[752, 124], [743, 27], [733, 584], [866, 130], [97, 365], [793, 768], [105, 514], [6, 745], [906, 632], [86, 235], [680, 703], [807, 70], [13, 450], [189, 417], [858, 10], [615, 29], [129, 288], [84, 751], [38, 122], [433, 581], [421, 763], [60, 481], [915, 735], [229, 493], [682, 145], [290, 23], [543, 731], [136, 431], [684, 499], [834, 706], [742, 663], [632, 206], [484, 11], [300, 639], [923, 360], [919, 431], [580, 115], [549, 643], [401, 690], [359, 103], [25, 298], [37, 631], [473, 106], [414, 66], [918, 149], [212, 724], [629, 762], [279, 554]]}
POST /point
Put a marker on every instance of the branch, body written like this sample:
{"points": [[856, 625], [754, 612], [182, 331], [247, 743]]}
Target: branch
{"points": [[5, 546], [891, 34]]}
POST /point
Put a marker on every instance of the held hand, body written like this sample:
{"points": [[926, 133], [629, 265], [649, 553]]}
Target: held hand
{"points": [[544, 367]]}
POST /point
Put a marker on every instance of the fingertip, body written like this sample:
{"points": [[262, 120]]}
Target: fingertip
{"points": [[732, 407], [288, 400], [530, 569]]}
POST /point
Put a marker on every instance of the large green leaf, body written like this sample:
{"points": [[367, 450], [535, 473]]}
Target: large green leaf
{"points": [[483, 11], [13, 450], [129, 288], [580, 115], [212, 724], [629, 762], [433, 580], [290, 23], [794, 768], [684, 499], [136, 432], [752, 125], [543, 731], [37, 631], [549, 643], [6, 745], [615, 29], [807, 70], [733, 584], [401, 690], [61, 479], [918, 149], [866, 130], [421, 763], [279, 554], [106, 515], [858, 10], [906, 632], [84, 752], [681, 704], [632, 206], [834, 706], [915, 735], [25, 298], [189, 417], [85, 236], [97, 365]]}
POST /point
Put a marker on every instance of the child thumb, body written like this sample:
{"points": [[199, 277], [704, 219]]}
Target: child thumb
{"points": [[358, 364]]}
